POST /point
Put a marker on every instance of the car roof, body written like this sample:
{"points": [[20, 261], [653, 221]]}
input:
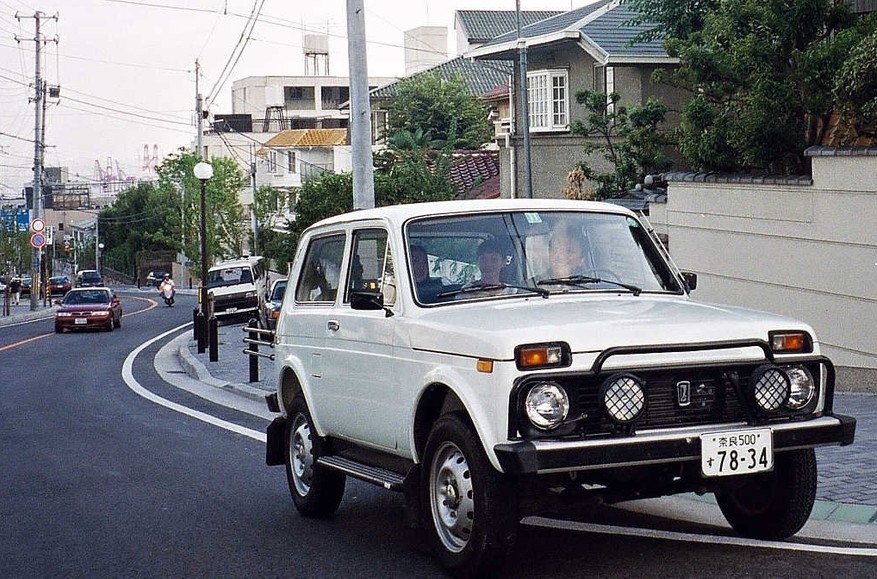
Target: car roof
{"points": [[396, 215], [240, 262]]}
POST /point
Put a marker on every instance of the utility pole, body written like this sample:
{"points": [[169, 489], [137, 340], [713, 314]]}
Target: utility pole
{"points": [[360, 111], [254, 220], [39, 146], [523, 123], [199, 112]]}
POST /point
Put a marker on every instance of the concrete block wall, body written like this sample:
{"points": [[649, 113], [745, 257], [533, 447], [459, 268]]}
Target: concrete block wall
{"points": [[788, 245]]}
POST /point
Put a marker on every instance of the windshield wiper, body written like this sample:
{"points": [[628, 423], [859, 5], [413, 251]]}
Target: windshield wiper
{"points": [[581, 280], [492, 287]]}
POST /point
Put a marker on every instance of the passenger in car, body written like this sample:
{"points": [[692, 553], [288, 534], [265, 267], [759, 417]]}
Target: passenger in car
{"points": [[567, 251]]}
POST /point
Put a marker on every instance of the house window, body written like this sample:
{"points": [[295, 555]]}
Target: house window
{"points": [[548, 92], [290, 161], [272, 161]]}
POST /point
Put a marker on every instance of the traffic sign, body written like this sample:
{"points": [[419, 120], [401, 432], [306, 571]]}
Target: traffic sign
{"points": [[37, 225], [37, 240]]}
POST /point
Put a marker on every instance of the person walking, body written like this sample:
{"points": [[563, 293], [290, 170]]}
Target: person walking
{"points": [[15, 290]]}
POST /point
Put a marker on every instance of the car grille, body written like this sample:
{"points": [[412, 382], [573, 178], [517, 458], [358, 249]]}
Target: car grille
{"points": [[223, 303], [713, 399]]}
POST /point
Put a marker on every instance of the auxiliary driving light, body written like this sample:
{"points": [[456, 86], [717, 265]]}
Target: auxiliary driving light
{"points": [[770, 388], [623, 398]]}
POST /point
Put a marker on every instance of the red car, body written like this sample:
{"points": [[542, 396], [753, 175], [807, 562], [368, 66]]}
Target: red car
{"points": [[60, 284], [88, 307]]}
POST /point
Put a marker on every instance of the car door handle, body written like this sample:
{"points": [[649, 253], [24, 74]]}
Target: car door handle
{"points": [[333, 326]]}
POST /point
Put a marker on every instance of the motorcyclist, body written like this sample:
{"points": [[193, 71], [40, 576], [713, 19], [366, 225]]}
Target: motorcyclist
{"points": [[167, 289]]}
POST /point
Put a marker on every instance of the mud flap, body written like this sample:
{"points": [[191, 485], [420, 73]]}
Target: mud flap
{"points": [[274, 445]]}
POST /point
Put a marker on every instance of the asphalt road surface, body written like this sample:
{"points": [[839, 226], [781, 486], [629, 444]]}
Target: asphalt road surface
{"points": [[98, 480]]}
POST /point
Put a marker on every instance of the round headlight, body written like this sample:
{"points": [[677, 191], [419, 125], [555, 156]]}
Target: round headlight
{"points": [[770, 388], [547, 405], [802, 387], [623, 398]]}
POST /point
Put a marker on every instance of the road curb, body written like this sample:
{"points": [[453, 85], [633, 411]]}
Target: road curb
{"points": [[197, 370]]}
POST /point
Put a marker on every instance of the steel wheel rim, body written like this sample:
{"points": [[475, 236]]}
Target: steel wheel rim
{"points": [[452, 497], [301, 455]]}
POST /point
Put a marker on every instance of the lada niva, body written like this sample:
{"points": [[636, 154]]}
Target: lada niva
{"points": [[488, 357]]}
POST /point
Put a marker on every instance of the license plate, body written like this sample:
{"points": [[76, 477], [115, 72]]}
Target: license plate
{"points": [[737, 452], [80, 321]]}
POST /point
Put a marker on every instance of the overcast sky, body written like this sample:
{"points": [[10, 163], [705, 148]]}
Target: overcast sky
{"points": [[126, 67]]}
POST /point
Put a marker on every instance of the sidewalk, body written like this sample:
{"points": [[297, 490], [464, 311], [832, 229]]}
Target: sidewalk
{"points": [[22, 312], [847, 489]]}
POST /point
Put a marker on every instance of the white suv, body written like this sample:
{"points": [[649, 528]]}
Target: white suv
{"points": [[488, 357], [238, 287]]}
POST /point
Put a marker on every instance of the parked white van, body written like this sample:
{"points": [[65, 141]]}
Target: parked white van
{"points": [[238, 286]]}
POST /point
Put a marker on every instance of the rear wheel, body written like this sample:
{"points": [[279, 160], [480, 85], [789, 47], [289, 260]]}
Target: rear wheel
{"points": [[118, 321], [469, 509], [316, 490], [773, 505]]}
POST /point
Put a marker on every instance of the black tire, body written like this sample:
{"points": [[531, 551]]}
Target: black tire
{"points": [[59, 330], [469, 509], [111, 324], [316, 491], [773, 505], [118, 322]]}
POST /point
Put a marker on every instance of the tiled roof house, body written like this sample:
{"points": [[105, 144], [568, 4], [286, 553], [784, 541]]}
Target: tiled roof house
{"points": [[587, 48]]}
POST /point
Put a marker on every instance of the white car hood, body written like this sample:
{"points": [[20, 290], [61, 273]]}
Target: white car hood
{"points": [[587, 324]]}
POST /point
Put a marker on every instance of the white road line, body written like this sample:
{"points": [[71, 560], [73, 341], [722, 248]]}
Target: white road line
{"points": [[695, 538], [134, 385]]}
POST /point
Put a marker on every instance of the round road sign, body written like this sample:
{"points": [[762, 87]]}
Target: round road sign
{"points": [[37, 240], [37, 225]]}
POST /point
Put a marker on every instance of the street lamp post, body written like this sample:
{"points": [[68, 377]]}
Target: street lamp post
{"points": [[203, 172]]}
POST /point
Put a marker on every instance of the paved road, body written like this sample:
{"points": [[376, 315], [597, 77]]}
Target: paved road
{"points": [[847, 489]]}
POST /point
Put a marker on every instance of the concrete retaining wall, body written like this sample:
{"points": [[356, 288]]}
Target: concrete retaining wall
{"points": [[789, 245]]}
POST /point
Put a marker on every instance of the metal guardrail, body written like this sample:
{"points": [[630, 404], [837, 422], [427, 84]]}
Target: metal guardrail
{"points": [[254, 339]]}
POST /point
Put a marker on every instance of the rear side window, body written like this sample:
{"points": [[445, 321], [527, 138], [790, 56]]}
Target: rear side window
{"points": [[318, 280]]}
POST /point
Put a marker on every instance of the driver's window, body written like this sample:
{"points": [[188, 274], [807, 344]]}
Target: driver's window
{"points": [[371, 265]]}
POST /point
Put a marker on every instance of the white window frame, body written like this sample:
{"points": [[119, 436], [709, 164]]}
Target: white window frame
{"points": [[548, 96], [272, 161]]}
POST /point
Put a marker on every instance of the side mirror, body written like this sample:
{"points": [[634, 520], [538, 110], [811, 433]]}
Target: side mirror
{"points": [[690, 279], [362, 300]]}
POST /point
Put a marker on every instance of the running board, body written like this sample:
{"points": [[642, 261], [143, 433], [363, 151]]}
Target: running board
{"points": [[385, 478]]}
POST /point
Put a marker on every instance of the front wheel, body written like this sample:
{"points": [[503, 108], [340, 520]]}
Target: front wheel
{"points": [[773, 505], [316, 490], [469, 509]]}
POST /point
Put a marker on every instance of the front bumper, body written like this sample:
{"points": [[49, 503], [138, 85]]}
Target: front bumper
{"points": [[658, 446]]}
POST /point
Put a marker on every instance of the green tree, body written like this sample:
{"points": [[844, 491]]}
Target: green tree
{"points": [[856, 85], [226, 229], [143, 217], [761, 75], [628, 138], [444, 109]]}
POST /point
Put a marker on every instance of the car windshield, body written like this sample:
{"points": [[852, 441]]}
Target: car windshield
{"points": [[87, 297], [533, 253], [93, 276], [229, 276], [58, 280]]}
